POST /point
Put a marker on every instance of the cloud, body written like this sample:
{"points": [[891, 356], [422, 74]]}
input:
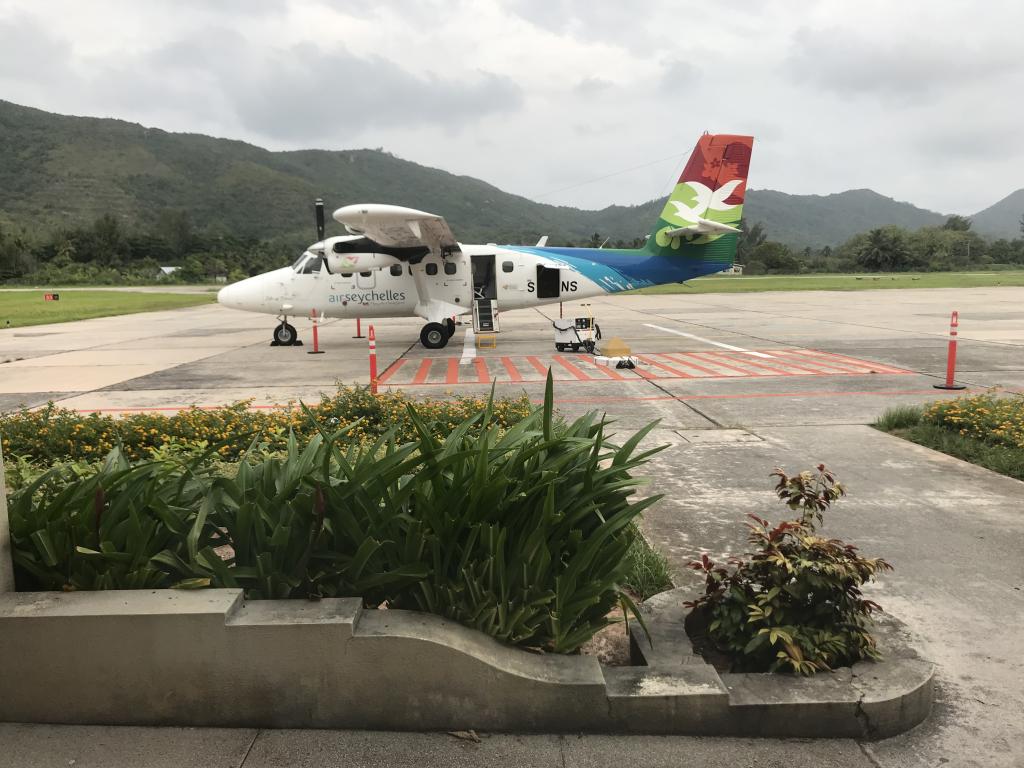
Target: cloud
{"points": [[311, 94], [678, 76], [916, 99], [591, 86], [910, 67], [30, 53]]}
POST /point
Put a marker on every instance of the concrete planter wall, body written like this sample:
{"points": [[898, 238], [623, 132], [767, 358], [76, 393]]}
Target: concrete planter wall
{"points": [[6, 566], [208, 657]]}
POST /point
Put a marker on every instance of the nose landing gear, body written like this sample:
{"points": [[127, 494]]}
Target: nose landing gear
{"points": [[285, 335]]}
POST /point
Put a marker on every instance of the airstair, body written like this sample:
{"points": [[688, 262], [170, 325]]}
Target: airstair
{"points": [[485, 316]]}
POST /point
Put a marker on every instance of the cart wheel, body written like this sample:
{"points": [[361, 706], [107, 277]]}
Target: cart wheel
{"points": [[575, 347], [560, 347]]}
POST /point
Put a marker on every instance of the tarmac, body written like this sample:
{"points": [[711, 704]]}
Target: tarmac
{"points": [[741, 383]]}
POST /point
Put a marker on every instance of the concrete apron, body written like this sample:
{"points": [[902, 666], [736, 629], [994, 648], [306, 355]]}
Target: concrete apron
{"points": [[209, 658]]}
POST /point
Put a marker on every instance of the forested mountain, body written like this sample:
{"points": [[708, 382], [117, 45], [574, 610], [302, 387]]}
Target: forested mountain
{"points": [[820, 220], [1004, 219], [60, 172]]}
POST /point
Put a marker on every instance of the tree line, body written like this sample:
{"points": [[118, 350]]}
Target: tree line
{"points": [[951, 247], [107, 253]]}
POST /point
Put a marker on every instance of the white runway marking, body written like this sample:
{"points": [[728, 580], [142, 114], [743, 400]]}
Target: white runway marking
{"points": [[708, 341], [468, 347]]}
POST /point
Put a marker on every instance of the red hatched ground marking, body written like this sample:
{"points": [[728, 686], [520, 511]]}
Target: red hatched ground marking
{"points": [[606, 370], [511, 370], [571, 368], [781, 362], [452, 376], [482, 376], [392, 369], [423, 372], [846, 360]]}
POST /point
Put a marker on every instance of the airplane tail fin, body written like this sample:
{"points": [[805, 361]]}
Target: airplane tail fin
{"points": [[702, 214]]}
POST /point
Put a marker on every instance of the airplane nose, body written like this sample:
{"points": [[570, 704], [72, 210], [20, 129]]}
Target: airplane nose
{"points": [[229, 296]]}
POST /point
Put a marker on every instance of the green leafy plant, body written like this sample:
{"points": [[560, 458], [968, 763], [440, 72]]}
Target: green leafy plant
{"points": [[310, 523], [795, 602], [527, 529], [103, 530], [521, 531]]}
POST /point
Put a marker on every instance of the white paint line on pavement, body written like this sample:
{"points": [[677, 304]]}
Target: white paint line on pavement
{"points": [[468, 347], [708, 341]]}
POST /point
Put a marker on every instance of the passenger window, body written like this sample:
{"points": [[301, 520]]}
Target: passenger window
{"points": [[347, 275], [507, 266], [396, 270], [431, 268], [450, 267], [365, 274]]}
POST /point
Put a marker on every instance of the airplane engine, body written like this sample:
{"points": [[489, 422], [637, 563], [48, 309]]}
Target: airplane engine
{"points": [[359, 262]]}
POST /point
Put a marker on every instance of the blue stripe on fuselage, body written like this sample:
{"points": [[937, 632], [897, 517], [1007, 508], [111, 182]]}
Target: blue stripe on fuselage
{"points": [[623, 270]]}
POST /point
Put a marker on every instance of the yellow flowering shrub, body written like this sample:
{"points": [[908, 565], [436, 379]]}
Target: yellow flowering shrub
{"points": [[52, 433], [996, 420]]}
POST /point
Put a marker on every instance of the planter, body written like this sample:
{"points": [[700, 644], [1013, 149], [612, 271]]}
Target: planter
{"points": [[208, 657]]}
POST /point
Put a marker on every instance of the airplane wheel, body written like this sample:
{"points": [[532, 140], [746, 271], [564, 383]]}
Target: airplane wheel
{"points": [[285, 335], [450, 325], [434, 336], [560, 347]]}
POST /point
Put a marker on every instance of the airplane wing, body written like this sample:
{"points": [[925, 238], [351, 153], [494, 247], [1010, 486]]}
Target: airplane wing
{"points": [[397, 226]]}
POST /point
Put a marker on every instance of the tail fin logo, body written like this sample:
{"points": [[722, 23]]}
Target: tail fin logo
{"points": [[693, 200], [706, 204]]}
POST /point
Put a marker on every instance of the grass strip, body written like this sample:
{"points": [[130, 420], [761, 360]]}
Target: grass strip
{"points": [[19, 309], [908, 423], [840, 282], [649, 571]]}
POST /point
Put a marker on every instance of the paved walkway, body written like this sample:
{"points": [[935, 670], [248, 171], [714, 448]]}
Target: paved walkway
{"points": [[40, 746], [954, 533]]}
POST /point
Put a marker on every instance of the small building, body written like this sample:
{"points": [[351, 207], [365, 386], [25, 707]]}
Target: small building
{"points": [[166, 272], [735, 269]]}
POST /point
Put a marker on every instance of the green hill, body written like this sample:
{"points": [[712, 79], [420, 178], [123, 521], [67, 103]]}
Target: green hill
{"points": [[1002, 219], [58, 171], [819, 220]]}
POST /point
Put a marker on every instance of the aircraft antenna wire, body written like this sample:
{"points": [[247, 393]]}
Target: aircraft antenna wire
{"points": [[611, 175]]}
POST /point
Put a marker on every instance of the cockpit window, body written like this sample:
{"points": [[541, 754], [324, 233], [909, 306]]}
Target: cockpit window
{"points": [[308, 264]]}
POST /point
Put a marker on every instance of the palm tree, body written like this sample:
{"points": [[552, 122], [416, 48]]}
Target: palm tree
{"points": [[884, 251]]}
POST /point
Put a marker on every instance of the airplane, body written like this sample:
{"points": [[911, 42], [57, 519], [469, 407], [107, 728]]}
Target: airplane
{"points": [[401, 262]]}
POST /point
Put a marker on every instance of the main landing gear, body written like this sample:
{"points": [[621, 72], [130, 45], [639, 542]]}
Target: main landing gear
{"points": [[285, 335], [436, 335]]}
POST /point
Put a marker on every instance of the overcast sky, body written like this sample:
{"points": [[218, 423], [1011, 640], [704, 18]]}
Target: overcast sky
{"points": [[921, 101]]}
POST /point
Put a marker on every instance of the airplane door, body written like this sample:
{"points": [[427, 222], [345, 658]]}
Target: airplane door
{"points": [[485, 285], [547, 282], [366, 280]]}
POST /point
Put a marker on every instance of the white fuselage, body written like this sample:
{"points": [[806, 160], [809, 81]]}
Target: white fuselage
{"points": [[511, 277]]}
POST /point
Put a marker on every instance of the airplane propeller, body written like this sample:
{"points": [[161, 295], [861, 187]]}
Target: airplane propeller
{"points": [[319, 205]]}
